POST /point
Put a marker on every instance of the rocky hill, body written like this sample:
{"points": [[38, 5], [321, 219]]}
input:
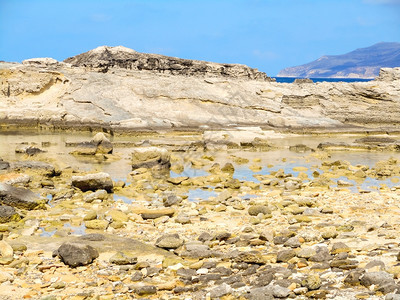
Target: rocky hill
{"points": [[106, 58], [119, 89], [361, 63]]}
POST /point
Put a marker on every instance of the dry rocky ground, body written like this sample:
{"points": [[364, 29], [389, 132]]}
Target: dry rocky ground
{"points": [[66, 234]]}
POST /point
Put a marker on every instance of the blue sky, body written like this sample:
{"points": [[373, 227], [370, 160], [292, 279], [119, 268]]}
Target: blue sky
{"points": [[265, 34]]}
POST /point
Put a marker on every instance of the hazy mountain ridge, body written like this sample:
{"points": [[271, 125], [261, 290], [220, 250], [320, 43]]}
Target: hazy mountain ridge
{"points": [[360, 63]]}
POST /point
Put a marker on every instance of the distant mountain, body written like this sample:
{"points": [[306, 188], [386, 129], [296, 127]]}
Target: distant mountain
{"points": [[360, 63]]}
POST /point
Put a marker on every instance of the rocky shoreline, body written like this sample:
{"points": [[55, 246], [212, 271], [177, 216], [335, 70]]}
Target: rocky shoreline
{"points": [[203, 181], [181, 225]]}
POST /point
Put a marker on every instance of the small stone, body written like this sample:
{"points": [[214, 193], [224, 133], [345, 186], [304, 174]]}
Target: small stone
{"points": [[280, 292], [222, 236], [121, 258], [6, 250], [8, 214], [97, 224], [169, 241], [183, 219], [220, 291], [5, 276], [91, 215], [154, 213], [339, 248], [146, 290], [306, 252], [118, 216], [258, 209], [312, 282], [293, 242], [285, 255], [204, 237]]}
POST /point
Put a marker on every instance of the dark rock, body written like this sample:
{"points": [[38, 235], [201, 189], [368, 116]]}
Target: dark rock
{"points": [[280, 239], [220, 291], [376, 278], [209, 264], [18, 197], [204, 237], [30, 150], [345, 264], [293, 242], [375, 263], [322, 255], [263, 279], [222, 270], [74, 254], [222, 236], [137, 276], [93, 182], [197, 251], [172, 200], [153, 271], [169, 241], [252, 269], [146, 290], [187, 273], [8, 214], [353, 278], [210, 277], [4, 165], [285, 255], [261, 293]]}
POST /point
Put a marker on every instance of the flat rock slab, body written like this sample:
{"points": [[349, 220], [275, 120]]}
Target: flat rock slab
{"points": [[18, 197], [154, 213]]}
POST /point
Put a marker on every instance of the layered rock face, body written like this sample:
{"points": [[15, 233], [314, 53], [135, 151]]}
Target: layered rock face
{"points": [[120, 89], [105, 58]]}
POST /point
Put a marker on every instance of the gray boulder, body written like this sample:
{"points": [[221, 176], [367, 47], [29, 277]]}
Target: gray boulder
{"points": [[75, 254], [18, 197], [376, 278], [8, 214], [93, 182], [4, 165]]}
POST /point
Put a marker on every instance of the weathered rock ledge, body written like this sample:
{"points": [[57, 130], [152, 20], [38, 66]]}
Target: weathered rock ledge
{"points": [[120, 89]]}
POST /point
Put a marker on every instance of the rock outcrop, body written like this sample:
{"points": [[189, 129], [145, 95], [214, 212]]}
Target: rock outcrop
{"points": [[104, 59], [120, 89]]}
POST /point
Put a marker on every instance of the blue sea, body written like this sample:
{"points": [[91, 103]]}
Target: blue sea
{"points": [[292, 79]]}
